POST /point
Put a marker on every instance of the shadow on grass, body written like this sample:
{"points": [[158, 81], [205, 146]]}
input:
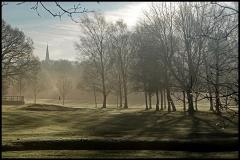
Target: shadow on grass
{"points": [[134, 130], [202, 128], [47, 107], [158, 125], [116, 144]]}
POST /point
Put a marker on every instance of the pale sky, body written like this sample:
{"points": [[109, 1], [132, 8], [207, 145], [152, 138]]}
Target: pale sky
{"points": [[60, 35]]}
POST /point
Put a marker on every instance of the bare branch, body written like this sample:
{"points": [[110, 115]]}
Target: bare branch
{"points": [[35, 7], [225, 7], [20, 3]]}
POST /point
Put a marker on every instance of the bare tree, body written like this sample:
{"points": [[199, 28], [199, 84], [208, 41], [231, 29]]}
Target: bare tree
{"points": [[59, 10], [222, 52], [187, 59], [138, 67], [37, 84], [116, 83], [90, 80], [93, 45], [147, 67], [159, 21], [120, 39], [64, 85], [17, 53]]}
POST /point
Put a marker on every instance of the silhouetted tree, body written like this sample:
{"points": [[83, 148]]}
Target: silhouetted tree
{"points": [[94, 47], [17, 53]]}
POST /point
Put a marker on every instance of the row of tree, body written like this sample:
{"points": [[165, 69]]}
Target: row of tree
{"points": [[188, 47]]}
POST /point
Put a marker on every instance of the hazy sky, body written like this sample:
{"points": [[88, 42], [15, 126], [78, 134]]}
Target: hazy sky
{"points": [[62, 34]]}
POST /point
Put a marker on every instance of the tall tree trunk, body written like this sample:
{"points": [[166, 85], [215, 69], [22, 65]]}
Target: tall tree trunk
{"points": [[125, 93], [184, 101], [218, 103], [211, 100], [103, 81], [104, 101], [117, 100], [208, 85], [150, 100], [161, 99], [196, 98], [157, 104], [172, 104], [95, 97], [168, 100], [104, 94], [124, 78], [164, 98], [190, 102], [226, 99], [146, 101], [120, 92], [120, 100], [120, 97]]}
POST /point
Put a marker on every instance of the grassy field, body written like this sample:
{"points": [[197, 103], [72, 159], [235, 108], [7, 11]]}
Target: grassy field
{"points": [[45, 122], [116, 154]]}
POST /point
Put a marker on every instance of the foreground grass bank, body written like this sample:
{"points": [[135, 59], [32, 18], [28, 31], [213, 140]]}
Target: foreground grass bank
{"points": [[116, 154], [36, 124]]}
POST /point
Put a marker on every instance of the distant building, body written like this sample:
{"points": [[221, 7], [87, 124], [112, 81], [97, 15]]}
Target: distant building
{"points": [[47, 62], [47, 55]]}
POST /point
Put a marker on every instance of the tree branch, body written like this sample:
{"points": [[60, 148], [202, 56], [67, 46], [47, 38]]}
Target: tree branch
{"points": [[225, 6]]}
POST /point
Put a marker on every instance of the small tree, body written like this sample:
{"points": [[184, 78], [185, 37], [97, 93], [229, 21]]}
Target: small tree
{"points": [[64, 85], [90, 80], [37, 84]]}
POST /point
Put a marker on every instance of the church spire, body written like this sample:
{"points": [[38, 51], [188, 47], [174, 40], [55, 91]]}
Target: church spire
{"points": [[47, 55]]}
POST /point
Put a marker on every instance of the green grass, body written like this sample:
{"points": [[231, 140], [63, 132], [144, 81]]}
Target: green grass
{"points": [[116, 154], [51, 122]]}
